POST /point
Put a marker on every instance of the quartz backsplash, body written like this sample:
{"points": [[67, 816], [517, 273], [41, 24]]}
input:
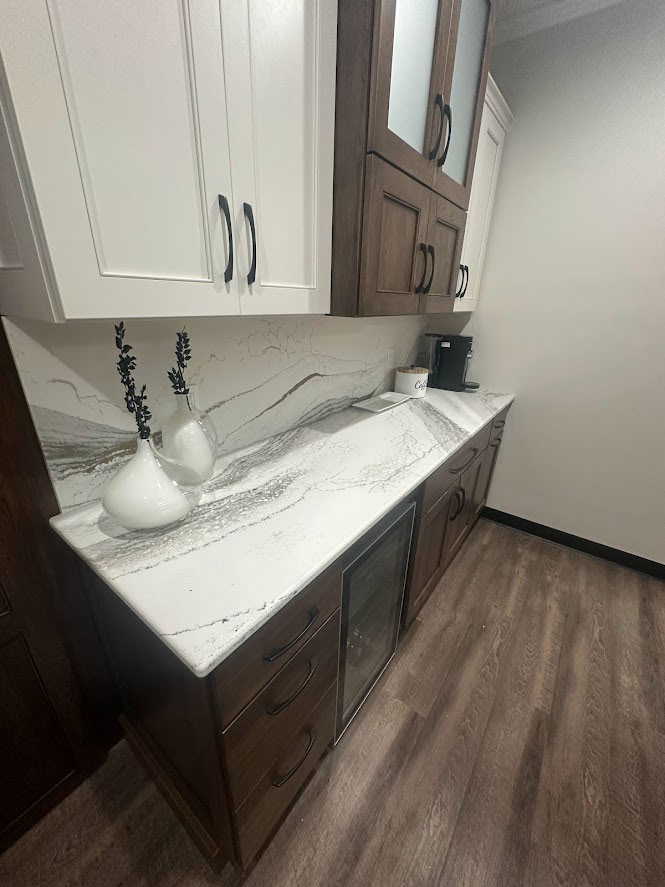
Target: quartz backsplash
{"points": [[256, 377]]}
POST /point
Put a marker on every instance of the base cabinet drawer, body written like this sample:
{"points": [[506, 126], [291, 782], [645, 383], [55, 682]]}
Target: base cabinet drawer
{"points": [[246, 671], [256, 737], [269, 801]]}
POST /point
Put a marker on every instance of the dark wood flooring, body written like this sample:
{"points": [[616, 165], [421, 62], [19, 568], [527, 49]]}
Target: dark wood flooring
{"points": [[517, 739]]}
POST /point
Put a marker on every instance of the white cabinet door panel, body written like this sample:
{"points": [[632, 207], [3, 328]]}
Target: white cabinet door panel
{"points": [[132, 98], [280, 66], [483, 189]]}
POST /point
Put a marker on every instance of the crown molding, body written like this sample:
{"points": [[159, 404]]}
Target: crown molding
{"points": [[545, 16]]}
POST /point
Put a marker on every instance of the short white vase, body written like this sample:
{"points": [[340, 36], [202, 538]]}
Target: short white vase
{"points": [[189, 438], [141, 495]]}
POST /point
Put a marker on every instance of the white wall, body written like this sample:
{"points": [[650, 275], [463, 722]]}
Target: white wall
{"points": [[572, 305]]}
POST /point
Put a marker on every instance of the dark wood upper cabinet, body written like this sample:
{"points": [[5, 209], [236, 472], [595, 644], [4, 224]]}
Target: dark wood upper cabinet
{"points": [[410, 86], [395, 230]]}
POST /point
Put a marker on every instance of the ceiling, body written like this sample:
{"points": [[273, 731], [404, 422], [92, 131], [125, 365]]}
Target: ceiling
{"points": [[516, 18]]}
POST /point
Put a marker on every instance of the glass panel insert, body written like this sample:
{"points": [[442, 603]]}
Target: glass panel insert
{"points": [[413, 53]]}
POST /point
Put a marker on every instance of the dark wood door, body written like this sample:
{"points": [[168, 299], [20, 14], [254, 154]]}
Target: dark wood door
{"points": [[465, 81], [482, 488], [460, 513], [394, 248], [445, 233], [428, 556], [51, 730], [406, 119]]}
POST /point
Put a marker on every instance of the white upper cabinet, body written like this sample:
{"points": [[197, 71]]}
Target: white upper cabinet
{"points": [[281, 111], [493, 127], [139, 140]]}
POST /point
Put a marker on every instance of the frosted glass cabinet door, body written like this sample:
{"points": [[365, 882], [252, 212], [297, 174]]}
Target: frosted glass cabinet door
{"points": [[406, 118], [466, 75], [280, 58], [121, 113]]}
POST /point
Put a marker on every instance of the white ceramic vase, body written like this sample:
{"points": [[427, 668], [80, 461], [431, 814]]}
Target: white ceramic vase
{"points": [[189, 439], [141, 495]]}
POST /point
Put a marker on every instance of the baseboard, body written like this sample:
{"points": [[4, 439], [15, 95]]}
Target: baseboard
{"points": [[623, 558]]}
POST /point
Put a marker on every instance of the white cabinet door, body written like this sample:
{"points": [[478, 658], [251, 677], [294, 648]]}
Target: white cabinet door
{"points": [[280, 67], [119, 109], [495, 121]]}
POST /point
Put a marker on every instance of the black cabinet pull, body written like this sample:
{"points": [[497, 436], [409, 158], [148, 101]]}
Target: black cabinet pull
{"points": [[458, 294], [447, 112], [279, 781], [458, 506], [224, 209], [277, 707], [438, 101], [499, 423], [474, 451], [463, 492], [495, 443], [249, 215], [271, 655], [423, 247], [465, 284], [426, 288]]}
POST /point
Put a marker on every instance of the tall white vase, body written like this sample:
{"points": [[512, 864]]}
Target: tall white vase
{"points": [[141, 495], [189, 439]]}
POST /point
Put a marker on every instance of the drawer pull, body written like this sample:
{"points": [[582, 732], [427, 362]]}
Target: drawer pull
{"points": [[277, 707], [495, 443], [279, 651], [499, 423], [279, 781], [474, 451]]}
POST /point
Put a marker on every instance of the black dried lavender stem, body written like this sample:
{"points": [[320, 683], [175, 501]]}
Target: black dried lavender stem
{"points": [[136, 403]]}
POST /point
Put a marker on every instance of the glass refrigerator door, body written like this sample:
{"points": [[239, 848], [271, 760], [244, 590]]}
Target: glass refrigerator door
{"points": [[373, 590]]}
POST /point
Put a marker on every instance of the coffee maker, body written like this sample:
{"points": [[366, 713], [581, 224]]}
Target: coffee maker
{"points": [[448, 358]]}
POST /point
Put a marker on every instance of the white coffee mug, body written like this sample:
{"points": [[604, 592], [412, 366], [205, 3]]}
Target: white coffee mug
{"points": [[411, 380]]}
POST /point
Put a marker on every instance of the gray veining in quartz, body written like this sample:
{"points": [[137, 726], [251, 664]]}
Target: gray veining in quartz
{"points": [[275, 514]]}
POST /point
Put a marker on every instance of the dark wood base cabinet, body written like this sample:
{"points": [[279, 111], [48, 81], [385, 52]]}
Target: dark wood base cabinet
{"points": [[231, 751], [452, 499]]}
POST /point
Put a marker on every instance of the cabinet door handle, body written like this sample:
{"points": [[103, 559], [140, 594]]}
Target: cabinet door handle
{"points": [[426, 288], [279, 781], [271, 655], [474, 451], [458, 507], [438, 101], [249, 215], [423, 247], [460, 291], [466, 282], [224, 209], [447, 112], [277, 707]]}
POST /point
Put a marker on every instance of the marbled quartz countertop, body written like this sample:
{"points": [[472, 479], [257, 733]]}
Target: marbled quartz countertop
{"points": [[274, 516]]}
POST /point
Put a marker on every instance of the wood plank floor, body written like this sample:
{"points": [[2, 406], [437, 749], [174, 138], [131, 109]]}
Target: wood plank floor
{"points": [[517, 739]]}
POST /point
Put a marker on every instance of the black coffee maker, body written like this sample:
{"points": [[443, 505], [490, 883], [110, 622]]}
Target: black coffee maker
{"points": [[448, 359]]}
